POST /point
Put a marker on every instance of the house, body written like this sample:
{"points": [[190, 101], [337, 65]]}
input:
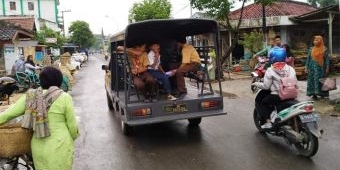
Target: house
{"points": [[13, 40], [295, 22], [45, 12]]}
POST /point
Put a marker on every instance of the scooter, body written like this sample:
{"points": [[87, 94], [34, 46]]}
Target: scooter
{"points": [[295, 121], [258, 72]]}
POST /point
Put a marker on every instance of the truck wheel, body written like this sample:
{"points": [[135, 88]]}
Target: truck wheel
{"points": [[126, 128], [109, 102], [195, 121]]}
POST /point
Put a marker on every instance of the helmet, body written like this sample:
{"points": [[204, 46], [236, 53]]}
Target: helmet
{"points": [[277, 54]]}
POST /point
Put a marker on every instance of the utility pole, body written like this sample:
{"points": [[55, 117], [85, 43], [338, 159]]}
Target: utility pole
{"points": [[62, 15], [103, 42]]}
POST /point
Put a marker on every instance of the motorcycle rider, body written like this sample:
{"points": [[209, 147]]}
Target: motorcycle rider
{"points": [[272, 43], [271, 82]]}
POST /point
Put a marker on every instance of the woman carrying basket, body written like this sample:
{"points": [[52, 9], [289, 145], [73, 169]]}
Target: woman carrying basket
{"points": [[49, 112]]}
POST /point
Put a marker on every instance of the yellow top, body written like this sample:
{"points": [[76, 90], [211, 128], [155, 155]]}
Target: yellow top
{"points": [[139, 63], [190, 55]]}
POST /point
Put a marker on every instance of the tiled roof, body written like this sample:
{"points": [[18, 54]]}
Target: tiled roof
{"points": [[281, 8], [27, 23], [6, 31]]}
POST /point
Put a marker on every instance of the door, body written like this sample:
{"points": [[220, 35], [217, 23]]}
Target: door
{"points": [[10, 57]]}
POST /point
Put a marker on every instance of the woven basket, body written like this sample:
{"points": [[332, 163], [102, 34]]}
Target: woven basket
{"points": [[14, 140]]}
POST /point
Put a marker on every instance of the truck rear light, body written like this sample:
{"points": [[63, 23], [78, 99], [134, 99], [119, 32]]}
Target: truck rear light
{"points": [[210, 104], [141, 112]]}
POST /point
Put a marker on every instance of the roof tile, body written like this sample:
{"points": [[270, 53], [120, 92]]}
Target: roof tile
{"points": [[27, 23], [282, 8]]}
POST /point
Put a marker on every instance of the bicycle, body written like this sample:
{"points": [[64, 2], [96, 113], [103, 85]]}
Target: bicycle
{"points": [[14, 163], [27, 80]]}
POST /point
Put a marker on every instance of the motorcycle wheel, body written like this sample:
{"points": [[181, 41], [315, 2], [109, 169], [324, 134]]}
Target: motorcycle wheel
{"points": [[309, 146], [258, 122]]}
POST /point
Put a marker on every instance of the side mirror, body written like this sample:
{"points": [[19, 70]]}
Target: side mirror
{"points": [[105, 67]]}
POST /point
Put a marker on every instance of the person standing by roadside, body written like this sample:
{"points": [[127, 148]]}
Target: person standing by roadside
{"points": [[156, 70], [317, 66], [54, 122], [212, 64]]}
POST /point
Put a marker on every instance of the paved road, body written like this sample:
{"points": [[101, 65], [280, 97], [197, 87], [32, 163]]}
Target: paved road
{"points": [[219, 143]]}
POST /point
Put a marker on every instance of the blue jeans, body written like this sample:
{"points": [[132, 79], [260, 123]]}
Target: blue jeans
{"points": [[162, 78]]}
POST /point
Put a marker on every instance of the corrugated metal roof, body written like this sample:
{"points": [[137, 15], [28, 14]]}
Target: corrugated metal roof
{"points": [[281, 8]]}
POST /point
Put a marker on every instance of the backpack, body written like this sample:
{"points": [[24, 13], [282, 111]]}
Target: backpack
{"points": [[288, 88]]}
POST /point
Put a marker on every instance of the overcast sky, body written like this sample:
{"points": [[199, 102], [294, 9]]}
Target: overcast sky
{"points": [[111, 15]]}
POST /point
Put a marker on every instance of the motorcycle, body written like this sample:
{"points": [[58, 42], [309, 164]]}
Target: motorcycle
{"points": [[295, 121], [259, 71]]}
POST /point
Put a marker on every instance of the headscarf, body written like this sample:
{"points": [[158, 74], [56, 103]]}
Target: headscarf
{"points": [[37, 105], [30, 61], [318, 50]]}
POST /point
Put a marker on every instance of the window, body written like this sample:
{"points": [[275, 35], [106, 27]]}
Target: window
{"points": [[12, 6], [30, 6]]}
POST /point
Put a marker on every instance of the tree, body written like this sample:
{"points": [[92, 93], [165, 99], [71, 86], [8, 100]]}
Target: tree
{"points": [[323, 3], [49, 33], [252, 41], [81, 34], [220, 9], [150, 9]]}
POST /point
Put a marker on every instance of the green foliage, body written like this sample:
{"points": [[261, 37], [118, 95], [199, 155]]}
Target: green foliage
{"points": [[150, 9], [218, 9], [49, 33], [265, 2], [323, 3], [253, 41], [81, 34]]}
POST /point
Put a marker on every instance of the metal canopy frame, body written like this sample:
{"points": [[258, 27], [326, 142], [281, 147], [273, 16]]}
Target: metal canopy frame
{"points": [[323, 14]]}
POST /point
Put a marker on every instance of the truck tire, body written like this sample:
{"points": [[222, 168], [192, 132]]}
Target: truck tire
{"points": [[195, 121], [109, 102]]}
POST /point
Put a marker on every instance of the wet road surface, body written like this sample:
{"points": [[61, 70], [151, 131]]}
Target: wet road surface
{"points": [[224, 142]]}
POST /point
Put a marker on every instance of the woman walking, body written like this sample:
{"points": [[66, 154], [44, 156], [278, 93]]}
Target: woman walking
{"points": [[49, 112]]}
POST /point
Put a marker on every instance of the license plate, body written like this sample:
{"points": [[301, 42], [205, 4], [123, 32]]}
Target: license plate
{"points": [[313, 117], [177, 108]]}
